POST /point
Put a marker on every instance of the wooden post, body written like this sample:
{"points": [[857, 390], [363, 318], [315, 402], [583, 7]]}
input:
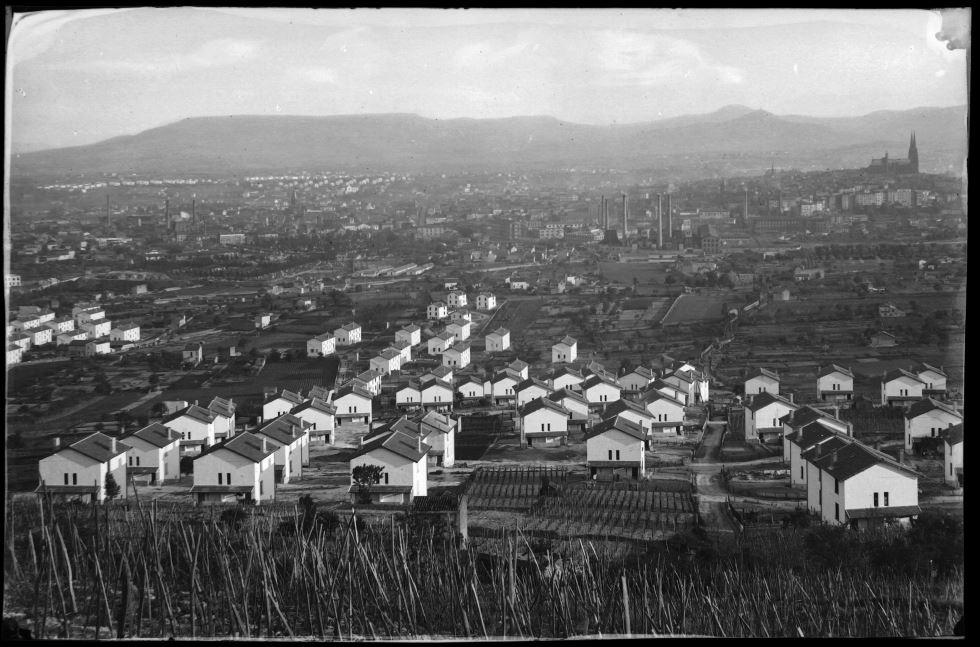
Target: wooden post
{"points": [[626, 605]]}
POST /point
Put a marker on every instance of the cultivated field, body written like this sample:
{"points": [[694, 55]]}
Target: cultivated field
{"points": [[695, 308]]}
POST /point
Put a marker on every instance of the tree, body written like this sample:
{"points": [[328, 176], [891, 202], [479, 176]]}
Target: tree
{"points": [[364, 477], [111, 487]]}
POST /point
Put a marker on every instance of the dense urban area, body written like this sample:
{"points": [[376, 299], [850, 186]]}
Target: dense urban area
{"points": [[571, 378]]}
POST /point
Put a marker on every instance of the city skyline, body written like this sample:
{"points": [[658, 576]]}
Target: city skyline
{"points": [[77, 77]]}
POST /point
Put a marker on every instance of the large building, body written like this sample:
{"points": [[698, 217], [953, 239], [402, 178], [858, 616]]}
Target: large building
{"points": [[909, 164]]}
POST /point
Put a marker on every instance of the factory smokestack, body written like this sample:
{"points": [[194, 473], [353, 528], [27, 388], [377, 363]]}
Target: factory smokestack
{"points": [[194, 212], [625, 216], [746, 204], [660, 221], [108, 217], [670, 218], [166, 213]]}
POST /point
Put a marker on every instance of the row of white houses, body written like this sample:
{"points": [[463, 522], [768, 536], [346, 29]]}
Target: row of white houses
{"points": [[326, 344]]}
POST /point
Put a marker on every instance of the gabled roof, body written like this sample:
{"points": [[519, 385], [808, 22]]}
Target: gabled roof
{"points": [[435, 421], [315, 404], [280, 431], [389, 354], [351, 326], [320, 392], [222, 407], [441, 371], [543, 403], [827, 370], [928, 404], [855, 458], [563, 393], [288, 396], [900, 372], [599, 378], [922, 367], [518, 365], [323, 337], [763, 372], [98, 447], [471, 379], [368, 375], [765, 398], [659, 383], [397, 442], [459, 347], [953, 435], [568, 341], [804, 415], [437, 382], [618, 423], [499, 331], [462, 323], [246, 444], [400, 345], [566, 369], [156, 434], [505, 374], [883, 332], [438, 304], [622, 405], [352, 389], [411, 328], [811, 435], [531, 381], [194, 412], [643, 372], [445, 335], [652, 395], [836, 442]]}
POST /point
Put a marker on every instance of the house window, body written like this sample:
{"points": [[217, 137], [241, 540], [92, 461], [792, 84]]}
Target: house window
{"points": [[836, 486], [66, 473], [542, 426], [617, 454], [261, 488], [228, 477], [801, 471], [951, 469], [876, 499], [219, 479], [836, 512], [886, 499], [130, 461], [820, 496], [74, 478], [386, 478], [549, 426], [610, 454]]}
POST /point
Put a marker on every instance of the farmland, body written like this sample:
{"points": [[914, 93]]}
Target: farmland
{"points": [[695, 308]]}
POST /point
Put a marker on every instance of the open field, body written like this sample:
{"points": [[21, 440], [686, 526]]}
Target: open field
{"points": [[695, 308], [644, 273]]}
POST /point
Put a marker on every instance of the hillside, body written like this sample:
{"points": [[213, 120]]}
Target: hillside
{"points": [[404, 142]]}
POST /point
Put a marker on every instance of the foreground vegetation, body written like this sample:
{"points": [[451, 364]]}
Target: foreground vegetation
{"points": [[142, 571]]}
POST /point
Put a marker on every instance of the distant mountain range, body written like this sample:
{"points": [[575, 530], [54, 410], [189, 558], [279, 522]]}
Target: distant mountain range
{"points": [[406, 142]]}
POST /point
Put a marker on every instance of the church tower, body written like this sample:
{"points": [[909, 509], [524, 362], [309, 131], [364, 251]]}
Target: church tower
{"points": [[913, 155]]}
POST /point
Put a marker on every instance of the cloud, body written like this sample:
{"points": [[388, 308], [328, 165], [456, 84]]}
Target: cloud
{"points": [[485, 54], [220, 52], [631, 57]]}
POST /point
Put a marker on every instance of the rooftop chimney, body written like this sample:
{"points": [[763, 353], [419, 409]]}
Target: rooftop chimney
{"points": [[265, 445], [419, 443], [57, 442], [789, 394], [360, 441], [113, 445]]}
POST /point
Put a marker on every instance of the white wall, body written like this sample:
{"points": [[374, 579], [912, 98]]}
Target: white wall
{"points": [[834, 382], [400, 470], [928, 425], [632, 416], [530, 393], [598, 447], [952, 459], [195, 429], [601, 393], [534, 420], [895, 388], [761, 384], [634, 382], [858, 491], [565, 381], [52, 470], [408, 397]]}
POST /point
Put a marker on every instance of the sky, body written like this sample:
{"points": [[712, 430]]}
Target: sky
{"points": [[77, 77]]}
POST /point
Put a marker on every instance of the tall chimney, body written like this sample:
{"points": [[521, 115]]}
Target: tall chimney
{"points": [[660, 221], [360, 441], [670, 218], [108, 217], [625, 216], [113, 445], [265, 445]]}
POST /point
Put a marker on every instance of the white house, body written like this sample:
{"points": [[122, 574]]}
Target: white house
{"points": [[565, 377], [411, 333], [404, 349], [320, 416], [196, 428], [86, 314], [667, 412], [369, 380], [437, 310], [860, 487], [154, 452], [224, 417], [348, 335], [498, 340], [321, 345], [279, 403], [458, 356], [14, 354], [762, 417], [353, 405], [576, 404], [239, 469], [927, 419], [616, 447], [502, 386], [441, 372], [460, 315], [439, 343], [486, 301], [263, 320], [634, 412], [409, 396], [471, 389], [809, 442], [899, 387], [531, 389], [79, 470], [437, 394], [637, 380], [544, 422], [97, 347], [62, 324], [287, 440], [933, 378], [403, 459], [456, 299], [519, 284], [439, 431], [669, 389], [22, 340], [518, 367], [835, 383], [459, 329], [565, 350], [600, 390], [953, 455], [803, 417], [125, 332], [40, 335], [96, 329], [684, 383], [66, 338], [762, 380], [389, 361]]}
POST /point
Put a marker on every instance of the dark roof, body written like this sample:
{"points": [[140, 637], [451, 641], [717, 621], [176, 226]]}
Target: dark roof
{"points": [[836, 442], [827, 370], [350, 388], [246, 444], [398, 442], [891, 511], [804, 416], [317, 405], [811, 435], [621, 405], [156, 434], [642, 371], [652, 395], [222, 489], [900, 372], [437, 382], [765, 399], [531, 381], [320, 392], [500, 331], [459, 347], [565, 369], [922, 367], [222, 407], [411, 328], [281, 430], [435, 421], [542, 403], [953, 435], [518, 365], [506, 373], [926, 405], [853, 459], [288, 396], [763, 372], [617, 423], [98, 447], [440, 371], [567, 340], [563, 393], [599, 378]]}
